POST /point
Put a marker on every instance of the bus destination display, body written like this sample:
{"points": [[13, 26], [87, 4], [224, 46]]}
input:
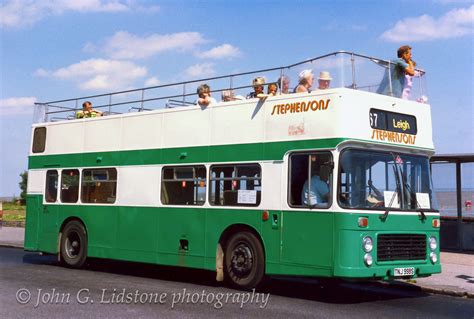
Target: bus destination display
{"points": [[393, 122]]}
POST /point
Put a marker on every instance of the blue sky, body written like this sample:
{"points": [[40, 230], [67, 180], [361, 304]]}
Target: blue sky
{"points": [[55, 49]]}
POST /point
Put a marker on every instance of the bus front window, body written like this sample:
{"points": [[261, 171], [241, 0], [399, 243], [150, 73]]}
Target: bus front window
{"points": [[384, 180]]}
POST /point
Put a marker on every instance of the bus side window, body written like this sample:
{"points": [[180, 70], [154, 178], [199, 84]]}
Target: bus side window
{"points": [[69, 185], [39, 140], [310, 179], [99, 185], [183, 185], [51, 193], [236, 185]]}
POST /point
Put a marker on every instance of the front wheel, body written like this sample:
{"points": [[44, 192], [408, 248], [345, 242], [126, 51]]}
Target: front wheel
{"points": [[244, 260], [74, 244]]}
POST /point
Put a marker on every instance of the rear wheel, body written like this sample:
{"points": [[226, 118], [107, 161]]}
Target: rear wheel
{"points": [[74, 244], [244, 260]]}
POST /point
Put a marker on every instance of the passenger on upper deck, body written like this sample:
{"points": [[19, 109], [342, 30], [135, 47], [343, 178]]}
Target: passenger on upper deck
{"points": [[87, 111], [272, 89], [324, 80], [228, 95], [205, 99], [306, 78], [284, 84], [257, 83], [409, 83], [398, 68]]}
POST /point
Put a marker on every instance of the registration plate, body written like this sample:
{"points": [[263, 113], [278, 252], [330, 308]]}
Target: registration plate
{"points": [[407, 271]]}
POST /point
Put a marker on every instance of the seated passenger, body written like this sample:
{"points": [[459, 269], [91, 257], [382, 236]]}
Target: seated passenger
{"points": [[257, 83], [318, 193], [324, 80], [305, 82], [272, 89], [87, 111], [228, 95], [284, 84], [205, 99]]}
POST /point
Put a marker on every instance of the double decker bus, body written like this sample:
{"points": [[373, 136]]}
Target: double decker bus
{"points": [[329, 183]]}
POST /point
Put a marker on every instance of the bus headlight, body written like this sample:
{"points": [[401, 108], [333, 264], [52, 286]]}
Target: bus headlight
{"points": [[367, 244], [433, 257], [368, 260], [433, 243]]}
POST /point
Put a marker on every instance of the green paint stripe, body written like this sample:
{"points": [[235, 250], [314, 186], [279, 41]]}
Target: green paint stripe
{"points": [[196, 154], [193, 154]]}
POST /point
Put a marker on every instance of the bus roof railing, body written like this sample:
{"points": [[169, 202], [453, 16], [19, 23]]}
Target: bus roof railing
{"points": [[58, 107]]}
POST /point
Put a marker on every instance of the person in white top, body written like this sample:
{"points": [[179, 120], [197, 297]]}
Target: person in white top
{"points": [[205, 99], [409, 82], [305, 82]]}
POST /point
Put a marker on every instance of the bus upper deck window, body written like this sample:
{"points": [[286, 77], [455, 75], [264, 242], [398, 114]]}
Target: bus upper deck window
{"points": [[39, 140]]}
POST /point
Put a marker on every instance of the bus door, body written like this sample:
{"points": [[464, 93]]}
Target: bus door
{"points": [[307, 228]]}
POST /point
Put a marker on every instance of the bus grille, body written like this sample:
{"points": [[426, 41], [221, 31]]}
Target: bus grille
{"points": [[392, 247]]}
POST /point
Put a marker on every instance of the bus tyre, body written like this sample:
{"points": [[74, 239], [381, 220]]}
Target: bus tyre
{"points": [[74, 244], [244, 260]]}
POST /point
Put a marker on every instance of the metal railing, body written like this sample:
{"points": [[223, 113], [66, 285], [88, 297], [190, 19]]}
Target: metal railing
{"points": [[176, 94]]}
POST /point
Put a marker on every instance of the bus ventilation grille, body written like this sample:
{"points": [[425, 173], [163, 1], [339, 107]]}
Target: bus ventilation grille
{"points": [[392, 247]]}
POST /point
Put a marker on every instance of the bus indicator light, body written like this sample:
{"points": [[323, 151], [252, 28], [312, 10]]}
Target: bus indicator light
{"points": [[435, 222], [363, 222], [183, 184], [265, 215]]}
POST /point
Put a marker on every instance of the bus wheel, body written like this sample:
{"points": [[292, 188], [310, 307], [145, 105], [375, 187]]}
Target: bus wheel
{"points": [[244, 260], [74, 244]]}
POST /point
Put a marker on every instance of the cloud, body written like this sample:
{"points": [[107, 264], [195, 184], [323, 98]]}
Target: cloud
{"points": [[455, 23], [20, 13], [153, 81], [17, 105], [99, 74], [221, 52], [123, 45], [201, 70]]}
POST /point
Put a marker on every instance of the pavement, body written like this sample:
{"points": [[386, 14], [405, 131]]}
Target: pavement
{"points": [[456, 279]]}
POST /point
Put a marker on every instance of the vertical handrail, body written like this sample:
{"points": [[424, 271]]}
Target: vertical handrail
{"points": [[110, 103], [46, 108], [76, 108], [421, 86], [281, 80], [231, 84], [354, 86], [390, 78], [184, 92], [142, 103]]}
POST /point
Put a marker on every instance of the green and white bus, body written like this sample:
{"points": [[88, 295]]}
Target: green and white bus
{"points": [[225, 188]]}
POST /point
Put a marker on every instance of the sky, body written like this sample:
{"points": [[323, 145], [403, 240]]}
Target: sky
{"points": [[58, 49]]}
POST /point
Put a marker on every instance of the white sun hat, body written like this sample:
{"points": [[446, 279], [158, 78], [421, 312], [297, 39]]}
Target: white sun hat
{"points": [[325, 75], [305, 74]]}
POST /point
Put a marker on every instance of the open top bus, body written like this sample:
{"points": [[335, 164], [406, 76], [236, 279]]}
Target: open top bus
{"points": [[161, 180]]}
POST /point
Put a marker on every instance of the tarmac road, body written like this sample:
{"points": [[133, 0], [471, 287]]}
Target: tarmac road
{"points": [[36, 286]]}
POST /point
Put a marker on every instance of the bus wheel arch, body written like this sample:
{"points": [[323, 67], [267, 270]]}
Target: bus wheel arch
{"points": [[73, 243], [240, 257]]}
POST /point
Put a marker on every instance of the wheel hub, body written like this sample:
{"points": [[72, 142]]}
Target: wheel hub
{"points": [[242, 260], [73, 245]]}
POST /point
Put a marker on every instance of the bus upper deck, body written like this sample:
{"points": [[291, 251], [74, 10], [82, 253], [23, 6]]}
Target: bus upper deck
{"points": [[346, 70]]}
